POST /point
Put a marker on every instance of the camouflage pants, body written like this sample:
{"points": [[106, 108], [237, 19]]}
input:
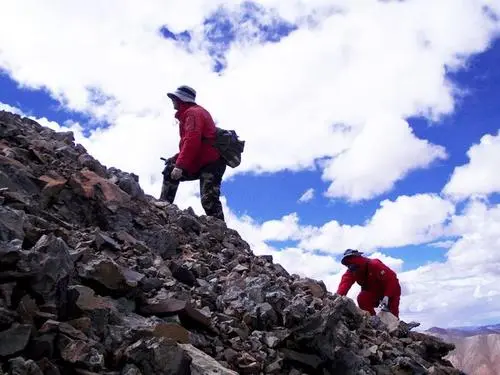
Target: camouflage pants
{"points": [[210, 178]]}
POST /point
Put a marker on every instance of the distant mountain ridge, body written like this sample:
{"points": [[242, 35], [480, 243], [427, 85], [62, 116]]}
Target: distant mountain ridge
{"points": [[477, 349], [467, 331]]}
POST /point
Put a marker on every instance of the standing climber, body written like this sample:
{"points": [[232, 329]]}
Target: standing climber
{"points": [[379, 284], [197, 158]]}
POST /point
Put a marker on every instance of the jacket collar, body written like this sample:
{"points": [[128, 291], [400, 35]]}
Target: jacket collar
{"points": [[182, 108]]}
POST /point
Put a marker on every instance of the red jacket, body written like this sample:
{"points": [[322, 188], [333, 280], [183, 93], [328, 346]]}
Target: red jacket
{"points": [[195, 123], [373, 276]]}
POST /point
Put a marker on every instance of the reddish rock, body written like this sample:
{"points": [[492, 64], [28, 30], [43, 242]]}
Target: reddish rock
{"points": [[53, 186], [172, 331], [88, 184], [167, 307]]}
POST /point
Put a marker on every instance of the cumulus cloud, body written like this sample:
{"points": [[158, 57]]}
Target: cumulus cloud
{"points": [[480, 176], [363, 68], [464, 289], [385, 152], [9, 108], [307, 196], [407, 220]]}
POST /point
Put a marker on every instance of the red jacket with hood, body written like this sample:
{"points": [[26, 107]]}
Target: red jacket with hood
{"points": [[195, 123], [373, 276]]}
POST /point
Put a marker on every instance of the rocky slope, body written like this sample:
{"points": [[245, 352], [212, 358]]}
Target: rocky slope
{"points": [[477, 349], [98, 278]]}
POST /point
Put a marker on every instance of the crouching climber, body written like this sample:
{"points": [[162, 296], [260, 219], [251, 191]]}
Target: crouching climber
{"points": [[197, 159], [379, 284]]}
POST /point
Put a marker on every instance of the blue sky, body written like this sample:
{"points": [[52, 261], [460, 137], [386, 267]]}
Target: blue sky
{"points": [[397, 181]]}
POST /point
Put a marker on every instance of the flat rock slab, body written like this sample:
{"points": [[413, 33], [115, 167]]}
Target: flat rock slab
{"points": [[203, 364], [167, 307], [14, 339]]}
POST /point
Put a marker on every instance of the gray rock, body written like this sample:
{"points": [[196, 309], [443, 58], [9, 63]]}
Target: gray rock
{"points": [[11, 224], [109, 277], [158, 356], [21, 366], [163, 242], [203, 364], [14, 339], [130, 185]]}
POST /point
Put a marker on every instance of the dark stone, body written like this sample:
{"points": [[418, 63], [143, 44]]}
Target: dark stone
{"points": [[11, 224], [183, 274], [309, 360], [51, 260], [21, 366], [14, 339], [108, 277], [80, 352], [131, 186], [103, 241], [7, 318], [188, 315], [163, 242], [158, 356]]}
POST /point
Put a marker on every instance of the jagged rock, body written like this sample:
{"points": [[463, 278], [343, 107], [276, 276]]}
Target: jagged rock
{"points": [[54, 184], [183, 274], [80, 352], [108, 276], [92, 186], [163, 241], [103, 241], [7, 318], [203, 364], [87, 161], [150, 277], [11, 224], [16, 177], [184, 310], [317, 289], [14, 339], [130, 185], [158, 356], [21, 366], [131, 370], [309, 360], [52, 261], [10, 254], [100, 310]]}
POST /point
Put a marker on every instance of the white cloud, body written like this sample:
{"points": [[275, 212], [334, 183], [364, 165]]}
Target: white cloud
{"points": [[395, 264], [368, 65], [442, 244], [407, 220], [385, 152], [464, 288], [481, 175], [307, 196], [9, 108]]}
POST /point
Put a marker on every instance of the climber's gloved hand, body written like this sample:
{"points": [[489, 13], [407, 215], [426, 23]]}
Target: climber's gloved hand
{"points": [[176, 173], [384, 304]]}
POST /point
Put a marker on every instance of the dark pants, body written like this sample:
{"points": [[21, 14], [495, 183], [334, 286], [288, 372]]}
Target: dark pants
{"points": [[368, 301], [210, 177]]}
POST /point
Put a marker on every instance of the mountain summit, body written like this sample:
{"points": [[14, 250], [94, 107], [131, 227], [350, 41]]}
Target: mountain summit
{"points": [[96, 277]]}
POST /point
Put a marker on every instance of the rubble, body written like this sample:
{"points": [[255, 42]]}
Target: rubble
{"points": [[96, 277]]}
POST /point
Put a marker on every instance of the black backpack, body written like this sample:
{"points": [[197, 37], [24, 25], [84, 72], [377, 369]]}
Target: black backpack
{"points": [[229, 146]]}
